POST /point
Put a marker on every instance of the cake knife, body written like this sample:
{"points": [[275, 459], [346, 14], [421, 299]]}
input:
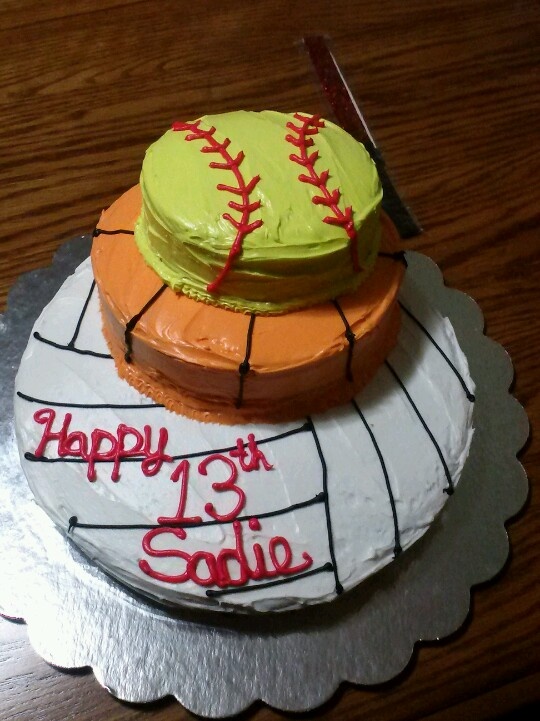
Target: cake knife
{"points": [[350, 117]]}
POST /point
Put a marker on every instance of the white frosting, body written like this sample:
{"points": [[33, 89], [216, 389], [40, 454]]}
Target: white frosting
{"points": [[356, 525]]}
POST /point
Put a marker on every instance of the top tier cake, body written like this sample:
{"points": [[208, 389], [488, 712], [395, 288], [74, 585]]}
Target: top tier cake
{"points": [[259, 212], [260, 283]]}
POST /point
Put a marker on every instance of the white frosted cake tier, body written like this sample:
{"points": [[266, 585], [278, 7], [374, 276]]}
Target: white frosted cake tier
{"points": [[257, 517]]}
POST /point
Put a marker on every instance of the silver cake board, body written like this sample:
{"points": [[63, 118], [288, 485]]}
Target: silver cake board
{"points": [[218, 664]]}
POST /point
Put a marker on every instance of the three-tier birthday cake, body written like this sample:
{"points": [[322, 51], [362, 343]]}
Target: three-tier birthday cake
{"points": [[244, 400]]}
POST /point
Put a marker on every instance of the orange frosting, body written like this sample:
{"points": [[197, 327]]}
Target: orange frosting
{"points": [[186, 354]]}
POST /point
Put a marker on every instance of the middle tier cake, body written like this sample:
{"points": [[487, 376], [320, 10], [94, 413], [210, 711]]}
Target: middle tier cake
{"points": [[284, 305]]}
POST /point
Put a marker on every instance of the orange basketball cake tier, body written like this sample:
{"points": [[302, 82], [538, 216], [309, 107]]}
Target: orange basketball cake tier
{"points": [[215, 364], [287, 308]]}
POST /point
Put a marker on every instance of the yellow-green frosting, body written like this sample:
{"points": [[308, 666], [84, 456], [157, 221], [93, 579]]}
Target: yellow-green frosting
{"points": [[294, 258]]}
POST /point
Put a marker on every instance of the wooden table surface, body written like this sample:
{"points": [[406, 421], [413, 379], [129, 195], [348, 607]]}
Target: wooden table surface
{"points": [[450, 91]]}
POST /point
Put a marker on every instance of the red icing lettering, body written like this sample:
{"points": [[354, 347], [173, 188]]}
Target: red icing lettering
{"points": [[154, 459], [75, 444], [193, 568], [124, 432], [96, 454], [218, 570], [46, 417], [260, 570], [284, 566], [103, 445], [223, 577], [228, 485], [251, 459], [162, 553], [180, 472]]}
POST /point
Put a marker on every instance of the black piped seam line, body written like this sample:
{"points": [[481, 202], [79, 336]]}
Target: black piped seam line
{"points": [[450, 488], [351, 338], [338, 585], [244, 367], [132, 322], [397, 543], [120, 231]]}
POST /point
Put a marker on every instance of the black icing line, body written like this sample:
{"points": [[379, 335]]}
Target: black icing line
{"points": [[120, 231], [74, 521], [139, 459], [470, 396], [67, 347], [72, 342], [397, 544], [244, 367], [70, 346], [132, 322], [256, 586], [339, 587], [105, 406], [450, 488], [349, 335]]}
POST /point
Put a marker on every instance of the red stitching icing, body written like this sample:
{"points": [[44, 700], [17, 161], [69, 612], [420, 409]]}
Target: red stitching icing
{"points": [[242, 226], [309, 125]]}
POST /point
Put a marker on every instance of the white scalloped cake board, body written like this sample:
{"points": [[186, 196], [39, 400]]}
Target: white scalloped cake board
{"points": [[352, 513]]}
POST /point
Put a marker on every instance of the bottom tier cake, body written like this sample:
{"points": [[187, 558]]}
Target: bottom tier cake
{"points": [[247, 517]]}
